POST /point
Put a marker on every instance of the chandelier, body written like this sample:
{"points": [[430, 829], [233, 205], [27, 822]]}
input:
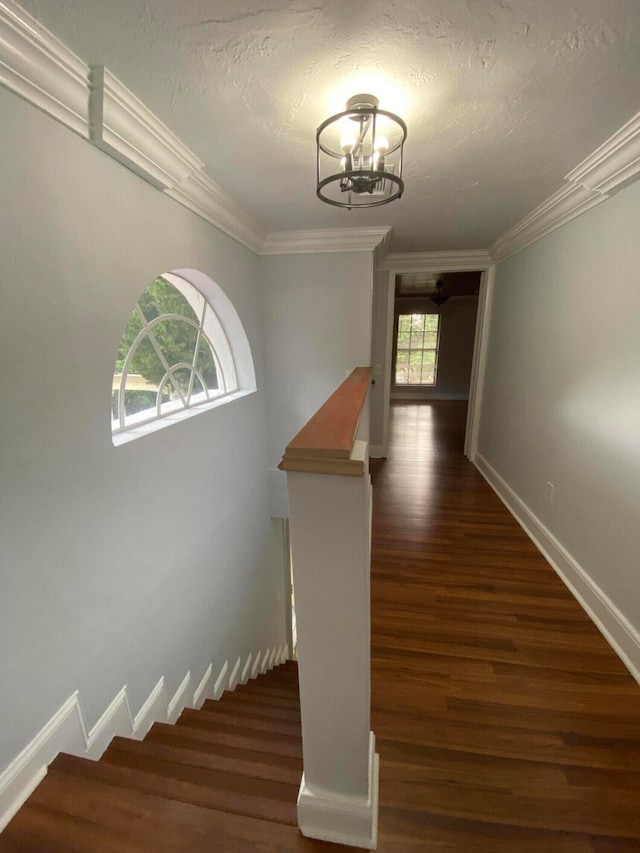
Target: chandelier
{"points": [[440, 294], [359, 161]]}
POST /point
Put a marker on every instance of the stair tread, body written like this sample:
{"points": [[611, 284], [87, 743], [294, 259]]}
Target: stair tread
{"points": [[243, 762], [278, 695], [214, 716], [231, 703], [128, 821], [239, 736], [265, 695], [210, 789]]}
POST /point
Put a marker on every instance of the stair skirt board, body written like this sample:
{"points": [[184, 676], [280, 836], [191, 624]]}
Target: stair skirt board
{"points": [[66, 731]]}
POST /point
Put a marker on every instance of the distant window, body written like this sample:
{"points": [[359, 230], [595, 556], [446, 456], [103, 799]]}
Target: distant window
{"points": [[417, 349], [174, 355]]}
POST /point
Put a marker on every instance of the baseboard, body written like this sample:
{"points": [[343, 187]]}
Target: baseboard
{"points": [[621, 635], [346, 820], [66, 731], [376, 451]]}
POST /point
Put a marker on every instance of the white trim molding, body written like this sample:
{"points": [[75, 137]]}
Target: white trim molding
{"points": [[612, 166], [38, 67], [352, 821], [568, 203], [124, 128], [325, 240], [67, 731], [457, 261], [623, 638], [201, 195]]}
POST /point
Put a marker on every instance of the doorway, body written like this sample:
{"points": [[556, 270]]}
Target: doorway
{"points": [[429, 334]]}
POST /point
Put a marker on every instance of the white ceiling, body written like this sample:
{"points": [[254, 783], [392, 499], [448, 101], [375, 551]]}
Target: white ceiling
{"points": [[502, 97]]}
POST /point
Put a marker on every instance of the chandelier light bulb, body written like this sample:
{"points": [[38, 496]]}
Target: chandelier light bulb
{"points": [[347, 142], [381, 145]]}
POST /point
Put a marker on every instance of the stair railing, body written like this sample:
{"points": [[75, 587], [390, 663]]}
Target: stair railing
{"points": [[330, 527]]}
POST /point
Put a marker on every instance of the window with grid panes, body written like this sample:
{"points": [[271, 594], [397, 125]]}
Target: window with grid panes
{"points": [[417, 349]]}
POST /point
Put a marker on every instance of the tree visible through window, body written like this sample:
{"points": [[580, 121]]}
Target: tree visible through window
{"points": [[170, 355], [417, 349]]}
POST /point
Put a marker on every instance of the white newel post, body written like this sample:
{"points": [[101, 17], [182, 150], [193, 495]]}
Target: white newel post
{"points": [[330, 524]]}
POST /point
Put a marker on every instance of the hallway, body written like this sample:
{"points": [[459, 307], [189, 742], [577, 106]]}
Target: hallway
{"points": [[504, 721]]}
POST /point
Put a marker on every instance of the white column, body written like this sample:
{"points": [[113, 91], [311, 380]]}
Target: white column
{"points": [[331, 544]]}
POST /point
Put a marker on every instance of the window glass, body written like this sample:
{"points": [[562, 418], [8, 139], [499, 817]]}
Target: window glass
{"points": [[173, 355], [417, 349]]}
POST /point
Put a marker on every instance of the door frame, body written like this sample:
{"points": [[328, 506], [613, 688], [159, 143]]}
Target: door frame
{"points": [[436, 262]]}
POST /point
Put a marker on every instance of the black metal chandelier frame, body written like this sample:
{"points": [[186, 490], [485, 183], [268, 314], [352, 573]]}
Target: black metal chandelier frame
{"points": [[363, 180]]}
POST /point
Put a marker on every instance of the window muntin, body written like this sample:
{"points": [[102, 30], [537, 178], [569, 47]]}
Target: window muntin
{"points": [[174, 355], [417, 349]]}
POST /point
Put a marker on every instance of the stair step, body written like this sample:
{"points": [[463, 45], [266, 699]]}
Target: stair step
{"points": [[231, 703], [112, 818], [244, 762], [278, 694], [215, 716], [265, 695], [242, 736], [209, 789]]}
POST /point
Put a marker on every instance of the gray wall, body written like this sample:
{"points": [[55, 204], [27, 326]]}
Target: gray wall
{"points": [[118, 565], [317, 329], [562, 392], [455, 353]]}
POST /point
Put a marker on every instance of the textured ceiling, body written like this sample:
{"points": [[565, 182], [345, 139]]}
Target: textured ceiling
{"points": [[502, 97]]}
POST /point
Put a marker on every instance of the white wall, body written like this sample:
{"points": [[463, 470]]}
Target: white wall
{"points": [[118, 565], [317, 328], [562, 391], [455, 351]]}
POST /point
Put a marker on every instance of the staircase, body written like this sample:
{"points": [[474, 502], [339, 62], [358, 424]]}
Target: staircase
{"points": [[225, 777]]}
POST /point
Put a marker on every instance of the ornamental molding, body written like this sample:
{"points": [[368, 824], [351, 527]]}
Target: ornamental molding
{"points": [[200, 194], [611, 167], [614, 164], [406, 262], [123, 127], [568, 203], [38, 67], [325, 240]]}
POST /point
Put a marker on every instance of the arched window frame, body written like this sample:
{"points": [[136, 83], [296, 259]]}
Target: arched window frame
{"points": [[220, 325]]}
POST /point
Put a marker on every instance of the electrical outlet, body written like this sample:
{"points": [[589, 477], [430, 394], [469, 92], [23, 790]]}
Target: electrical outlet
{"points": [[549, 489], [377, 370]]}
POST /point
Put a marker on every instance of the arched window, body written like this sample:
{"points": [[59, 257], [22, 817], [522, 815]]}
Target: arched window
{"points": [[174, 358]]}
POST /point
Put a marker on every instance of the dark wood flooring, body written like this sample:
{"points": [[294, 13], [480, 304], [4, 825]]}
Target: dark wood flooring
{"points": [[504, 721]]}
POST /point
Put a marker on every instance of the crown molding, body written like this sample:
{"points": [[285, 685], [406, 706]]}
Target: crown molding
{"points": [[123, 127], [200, 194], [38, 67], [614, 164], [325, 240], [568, 203], [92, 102], [457, 261]]}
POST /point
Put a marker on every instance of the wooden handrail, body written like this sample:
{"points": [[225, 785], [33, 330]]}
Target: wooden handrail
{"points": [[325, 444]]}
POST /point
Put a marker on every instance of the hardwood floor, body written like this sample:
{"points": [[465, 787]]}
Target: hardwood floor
{"points": [[504, 722], [503, 719]]}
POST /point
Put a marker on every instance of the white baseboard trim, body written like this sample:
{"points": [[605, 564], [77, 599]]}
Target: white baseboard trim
{"points": [[204, 689], [235, 675], [246, 670], [67, 732], [621, 635], [345, 820]]}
